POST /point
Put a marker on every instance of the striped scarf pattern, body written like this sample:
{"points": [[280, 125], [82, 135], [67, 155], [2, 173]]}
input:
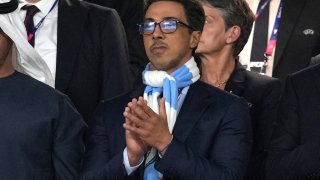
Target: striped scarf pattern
{"points": [[160, 82]]}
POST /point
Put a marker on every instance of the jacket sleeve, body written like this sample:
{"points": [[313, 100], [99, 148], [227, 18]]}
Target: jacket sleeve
{"points": [[99, 163], [68, 145], [288, 158]]}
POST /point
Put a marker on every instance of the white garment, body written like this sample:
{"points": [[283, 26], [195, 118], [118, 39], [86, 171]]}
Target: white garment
{"points": [[46, 36], [24, 58], [246, 52]]}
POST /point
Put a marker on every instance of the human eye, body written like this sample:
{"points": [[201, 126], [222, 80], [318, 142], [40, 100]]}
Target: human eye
{"points": [[146, 27], [169, 25]]}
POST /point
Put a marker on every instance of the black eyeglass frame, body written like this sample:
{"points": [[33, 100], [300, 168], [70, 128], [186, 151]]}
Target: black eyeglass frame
{"points": [[142, 32]]}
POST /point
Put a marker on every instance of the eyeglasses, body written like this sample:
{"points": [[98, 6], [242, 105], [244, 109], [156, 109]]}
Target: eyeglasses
{"points": [[167, 26]]}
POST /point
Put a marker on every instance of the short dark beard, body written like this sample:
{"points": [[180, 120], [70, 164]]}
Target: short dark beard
{"points": [[174, 63]]}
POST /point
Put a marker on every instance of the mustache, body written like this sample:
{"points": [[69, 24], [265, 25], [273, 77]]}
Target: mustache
{"points": [[158, 43]]}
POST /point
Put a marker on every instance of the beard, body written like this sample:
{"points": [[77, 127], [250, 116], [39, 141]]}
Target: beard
{"points": [[170, 65]]}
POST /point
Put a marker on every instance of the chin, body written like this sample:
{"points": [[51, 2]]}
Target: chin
{"points": [[198, 50]]}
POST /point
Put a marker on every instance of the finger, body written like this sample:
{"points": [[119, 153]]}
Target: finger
{"points": [[133, 103], [162, 109], [139, 110], [127, 122], [140, 132], [133, 119], [126, 111], [141, 99], [144, 105]]}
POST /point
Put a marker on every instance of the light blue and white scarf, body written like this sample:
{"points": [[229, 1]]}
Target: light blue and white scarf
{"points": [[160, 82]]}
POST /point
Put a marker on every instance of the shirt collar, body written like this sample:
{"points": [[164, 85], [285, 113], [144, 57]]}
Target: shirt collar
{"points": [[43, 5]]}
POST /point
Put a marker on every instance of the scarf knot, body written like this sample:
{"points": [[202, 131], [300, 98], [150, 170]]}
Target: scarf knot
{"points": [[160, 82]]}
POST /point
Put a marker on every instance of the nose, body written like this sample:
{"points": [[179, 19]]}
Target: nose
{"points": [[157, 34]]}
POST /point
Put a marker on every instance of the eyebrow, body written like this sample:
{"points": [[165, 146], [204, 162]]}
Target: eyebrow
{"points": [[165, 18], [148, 19]]}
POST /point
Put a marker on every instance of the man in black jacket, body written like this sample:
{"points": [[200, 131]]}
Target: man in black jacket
{"points": [[85, 48], [294, 151]]}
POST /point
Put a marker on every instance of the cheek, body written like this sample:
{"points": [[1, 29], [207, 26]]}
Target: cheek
{"points": [[4, 47], [181, 44], [205, 40], [147, 43]]}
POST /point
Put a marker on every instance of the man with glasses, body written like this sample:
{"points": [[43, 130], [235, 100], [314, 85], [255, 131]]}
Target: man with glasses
{"points": [[181, 128]]}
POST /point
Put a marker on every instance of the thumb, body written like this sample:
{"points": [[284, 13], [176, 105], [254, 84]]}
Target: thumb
{"points": [[162, 109]]}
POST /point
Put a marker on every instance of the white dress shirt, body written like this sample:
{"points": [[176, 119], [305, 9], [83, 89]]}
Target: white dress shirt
{"points": [[246, 52], [46, 36]]}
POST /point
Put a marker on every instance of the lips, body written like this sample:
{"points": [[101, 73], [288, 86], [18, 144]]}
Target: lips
{"points": [[158, 48]]}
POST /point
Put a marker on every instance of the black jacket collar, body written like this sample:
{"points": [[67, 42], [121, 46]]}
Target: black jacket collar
{"points": [[8, 7], [236, 82]]}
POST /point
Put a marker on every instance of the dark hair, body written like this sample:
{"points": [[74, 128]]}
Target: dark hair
{"points": [[8, 7], [235, 12], [193, 10]]}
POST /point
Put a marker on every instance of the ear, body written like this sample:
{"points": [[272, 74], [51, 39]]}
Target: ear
{"points": [[233, 33], [195, 38]]}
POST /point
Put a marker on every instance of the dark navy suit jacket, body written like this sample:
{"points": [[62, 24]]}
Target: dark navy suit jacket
{"points": [[295, 147], [212, 138]]}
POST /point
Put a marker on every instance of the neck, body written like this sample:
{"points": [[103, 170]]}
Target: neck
{"points": [[217, 68], [6, 68]]}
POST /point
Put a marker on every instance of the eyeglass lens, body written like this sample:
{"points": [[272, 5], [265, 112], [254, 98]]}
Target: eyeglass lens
{"points": [[166, 26]]}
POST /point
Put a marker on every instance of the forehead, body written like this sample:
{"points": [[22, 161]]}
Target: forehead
{"points": [[210, 10], [163, 9]]}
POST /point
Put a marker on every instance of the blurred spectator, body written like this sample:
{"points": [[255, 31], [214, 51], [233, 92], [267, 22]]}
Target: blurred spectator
{"points": [[83, 46], [41, 133], [131, 13], [227, 28], [297, 38], [295, 146]]}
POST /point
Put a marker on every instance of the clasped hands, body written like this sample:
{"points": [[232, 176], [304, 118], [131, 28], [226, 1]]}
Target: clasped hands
{"points": [[145, 129]]}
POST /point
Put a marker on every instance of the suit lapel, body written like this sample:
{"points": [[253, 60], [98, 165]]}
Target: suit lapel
{"points": [[196, 101], [289, 18], [194, 104], [71, 22]]}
